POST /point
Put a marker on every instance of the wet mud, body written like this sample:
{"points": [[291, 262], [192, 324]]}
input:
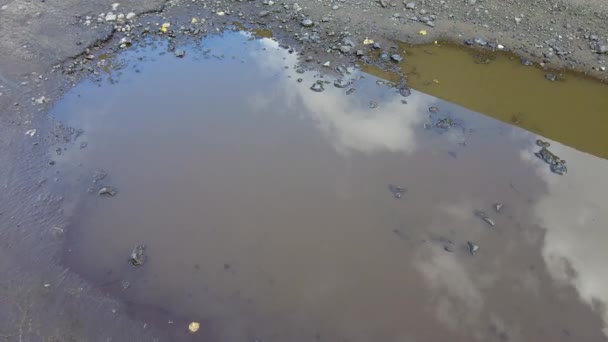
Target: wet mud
{"points": [[557, 104], [267, 211]]}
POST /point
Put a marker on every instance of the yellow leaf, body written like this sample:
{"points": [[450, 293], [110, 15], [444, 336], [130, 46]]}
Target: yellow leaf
{"points": [[368, 41], [436, 81], [165, 27], [194, 326], [422, 32], [194, 21]]}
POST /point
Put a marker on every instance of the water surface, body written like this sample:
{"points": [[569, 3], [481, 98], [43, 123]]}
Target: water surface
{"points": [[267, 214]]}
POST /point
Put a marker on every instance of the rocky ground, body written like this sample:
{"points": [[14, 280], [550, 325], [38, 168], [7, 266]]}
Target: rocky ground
{"points": [[48, 45]]}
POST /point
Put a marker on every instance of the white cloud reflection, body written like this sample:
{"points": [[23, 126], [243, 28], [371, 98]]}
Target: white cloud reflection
{"points": [[574, 213]]}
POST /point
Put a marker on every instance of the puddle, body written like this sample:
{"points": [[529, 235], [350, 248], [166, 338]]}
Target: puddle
{"points": [[572, 110], [271, 212]]}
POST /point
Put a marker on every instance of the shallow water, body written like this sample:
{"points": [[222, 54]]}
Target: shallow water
{"points": [[267, 213], [572, 110]]}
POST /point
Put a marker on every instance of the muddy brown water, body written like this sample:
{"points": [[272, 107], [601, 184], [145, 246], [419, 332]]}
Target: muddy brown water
{"points": [[572, 110], [266, 211]]}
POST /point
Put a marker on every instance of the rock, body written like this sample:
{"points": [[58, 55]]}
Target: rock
{"points": [[264, 13], [111, 17], [397, 58], [125, 42], [137, 255], [307, 23], [430, 23], [526, 62], [397, 191], [482, 215], [179, 53], [107, 191], [384, 56], [602, 68], [373, 104], [498, 207], [130, 16], [410, 5], [396, 15], [602, 49], [115, 6], [480, 41], [517, 21], [350, 91], [383, 3], [551, 77], [359, 53], [327, 64], [472, 2], [325, 19], [345, 49], [341, 83], [376, 46], [433, 109], [473, 248], [422, 12], [348, 42], [317, 87]]}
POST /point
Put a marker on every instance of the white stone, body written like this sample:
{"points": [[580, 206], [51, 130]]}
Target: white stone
{"points": [[111, 16], [115, 6], [130, 15]]}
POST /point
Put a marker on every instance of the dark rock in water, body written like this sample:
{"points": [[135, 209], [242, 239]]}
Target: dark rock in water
{"points": [[179, 53], [384, 56], [433, 109], [444, 123], [541, 143], [551, 77], [405, 91], [350, 91], [526, 62], [397, 58], [84, 144], [98, 175], [373, 104], [137, 255], [397, 191], [469, 42], [556, 164], [482, 215], [125, 284], [341, 83], [473, 248], [107, 191], [317, 86]]}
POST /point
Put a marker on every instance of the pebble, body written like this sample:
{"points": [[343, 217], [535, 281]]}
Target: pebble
{"points": [[179, 53], [327, 64], [341, 83], [373, 104], [359, 53], [603, 49], [264, 13], [307, 23], [345, 49], [125, 42], [107, 191], [481, 41], [603, 68], [317, 87], [410, 5], [517, 21], [396, 58], [551, 77], [115, 6], [472, 2], [498, 207], [473, 248], [376, 46], [430, 23], [130, 15], [111, 17]]}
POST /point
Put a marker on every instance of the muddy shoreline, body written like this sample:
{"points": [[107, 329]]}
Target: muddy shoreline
{"points": [[34, 216]]}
